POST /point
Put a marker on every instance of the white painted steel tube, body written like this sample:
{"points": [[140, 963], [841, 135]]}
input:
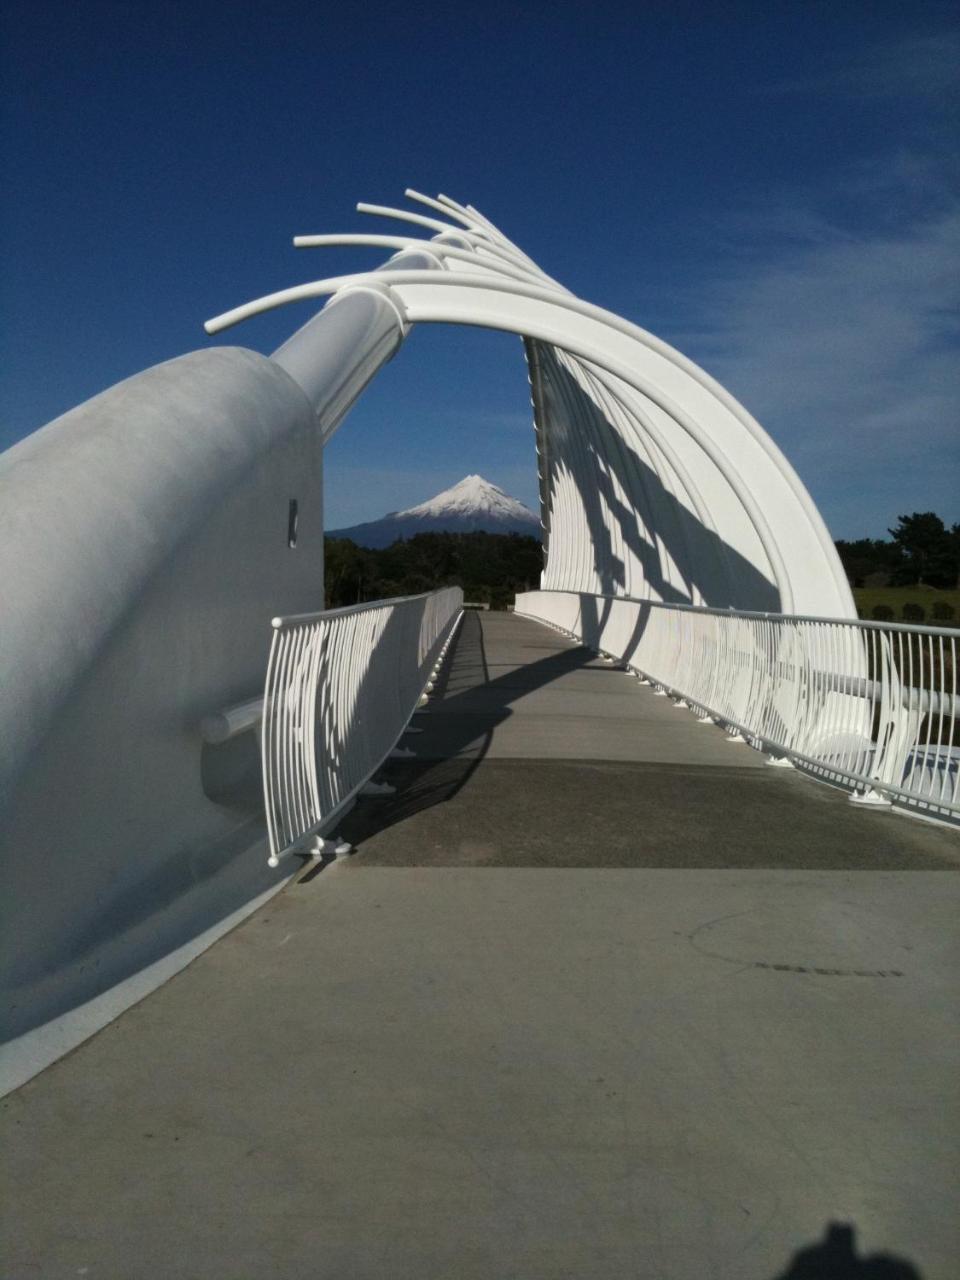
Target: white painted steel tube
{"points": [[336, 353], [226, 724], [437, 248], [341, 687]]}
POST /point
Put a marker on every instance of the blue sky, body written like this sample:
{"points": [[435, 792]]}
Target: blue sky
{"points": [[772, 188]]}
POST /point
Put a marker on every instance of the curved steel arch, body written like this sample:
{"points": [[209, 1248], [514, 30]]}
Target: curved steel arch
{"points": [[655, 481]]}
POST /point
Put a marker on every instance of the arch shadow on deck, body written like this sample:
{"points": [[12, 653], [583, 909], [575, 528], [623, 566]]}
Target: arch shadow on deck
{"points": [[533, 751]]}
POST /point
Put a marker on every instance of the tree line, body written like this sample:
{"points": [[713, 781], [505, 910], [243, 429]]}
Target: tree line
{"points": [[492, 567], [921, 551]]}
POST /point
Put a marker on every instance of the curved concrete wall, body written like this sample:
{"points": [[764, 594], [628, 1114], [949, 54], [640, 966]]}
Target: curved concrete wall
{"points": [[143, 551]]}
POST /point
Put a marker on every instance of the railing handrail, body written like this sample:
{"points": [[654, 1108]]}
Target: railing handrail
{"points": [[870, 706], [297, 619], [871, 623]]}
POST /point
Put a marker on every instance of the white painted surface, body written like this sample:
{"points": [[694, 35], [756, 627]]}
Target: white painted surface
{"points": [[655, 482], [143, 551], [226, 724]]}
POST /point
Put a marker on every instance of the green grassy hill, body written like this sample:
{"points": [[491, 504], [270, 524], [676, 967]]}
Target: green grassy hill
{"points": [[867, 599]]}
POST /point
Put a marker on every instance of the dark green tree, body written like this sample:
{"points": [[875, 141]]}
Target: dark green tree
{"points": [[349, 573], [867, 556], [491, 568], [928, 550]]}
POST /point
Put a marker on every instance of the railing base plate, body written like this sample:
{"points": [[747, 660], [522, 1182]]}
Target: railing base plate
{"points": [[332, 848], [872, 798], [377, 789]]}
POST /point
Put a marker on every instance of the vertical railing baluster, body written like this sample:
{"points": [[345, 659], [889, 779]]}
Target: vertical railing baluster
{"points": [[846, 698], [358, 673]]}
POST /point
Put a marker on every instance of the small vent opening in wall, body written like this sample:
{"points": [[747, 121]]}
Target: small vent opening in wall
{"points": [[293, 520]]}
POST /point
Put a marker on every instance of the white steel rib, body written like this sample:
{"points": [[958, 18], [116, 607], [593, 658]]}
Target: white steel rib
{"points": [[618, 412]]}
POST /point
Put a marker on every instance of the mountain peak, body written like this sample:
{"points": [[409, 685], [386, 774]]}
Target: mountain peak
{"points": [[472, 504], [472, 494]]}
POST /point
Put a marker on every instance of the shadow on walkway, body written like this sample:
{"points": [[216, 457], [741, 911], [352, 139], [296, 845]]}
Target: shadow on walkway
{"points": [[466, 732], [605, 784], [835, 1258]]}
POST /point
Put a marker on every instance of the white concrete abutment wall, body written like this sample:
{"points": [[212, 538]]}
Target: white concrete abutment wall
{"points": [[144, 548], [143, 551]]}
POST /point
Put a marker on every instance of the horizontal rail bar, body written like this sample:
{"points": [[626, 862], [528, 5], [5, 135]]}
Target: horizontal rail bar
{"points": [[226, 724], [868, 623], [297, 619], [870, 705]]}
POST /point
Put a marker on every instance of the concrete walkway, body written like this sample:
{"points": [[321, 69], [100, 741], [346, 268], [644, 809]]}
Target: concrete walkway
{"points": [[598, 996]]}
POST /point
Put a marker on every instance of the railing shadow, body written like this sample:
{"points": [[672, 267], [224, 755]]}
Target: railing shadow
{"points": [[461, 732]]}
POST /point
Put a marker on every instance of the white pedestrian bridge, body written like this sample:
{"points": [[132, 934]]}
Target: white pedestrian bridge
{"points": [[611, 936]]}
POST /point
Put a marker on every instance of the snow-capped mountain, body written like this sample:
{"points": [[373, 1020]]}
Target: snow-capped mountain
{"points": [[474, 505]]}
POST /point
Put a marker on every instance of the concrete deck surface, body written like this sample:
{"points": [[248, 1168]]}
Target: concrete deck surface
{"points": [[660, 1012]]}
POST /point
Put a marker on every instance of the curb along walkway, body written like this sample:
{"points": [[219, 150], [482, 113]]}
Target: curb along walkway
{"points": [[598, 995]]}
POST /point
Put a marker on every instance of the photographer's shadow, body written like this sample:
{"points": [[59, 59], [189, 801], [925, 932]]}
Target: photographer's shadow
{"points": [[835, 1257]]}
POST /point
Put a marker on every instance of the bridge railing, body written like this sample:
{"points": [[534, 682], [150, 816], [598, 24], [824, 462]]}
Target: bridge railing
{"points": [[869, 706], [340, 690]]}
